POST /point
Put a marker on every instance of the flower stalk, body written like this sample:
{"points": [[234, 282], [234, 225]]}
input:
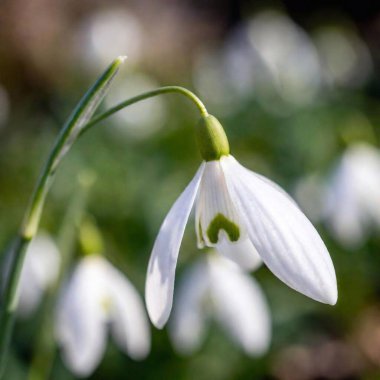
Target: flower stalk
{"points": [[146, 95]]}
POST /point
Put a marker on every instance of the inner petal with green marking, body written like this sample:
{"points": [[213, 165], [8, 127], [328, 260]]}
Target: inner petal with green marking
{"points": [[216, 216], [219, 223]]}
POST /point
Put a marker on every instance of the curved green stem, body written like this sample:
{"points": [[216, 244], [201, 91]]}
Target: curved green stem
{"points": [[146, 95], [70, 131]]}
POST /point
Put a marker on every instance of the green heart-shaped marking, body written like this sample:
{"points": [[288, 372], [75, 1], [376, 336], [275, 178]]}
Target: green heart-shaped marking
{"points": [[220, 222]]}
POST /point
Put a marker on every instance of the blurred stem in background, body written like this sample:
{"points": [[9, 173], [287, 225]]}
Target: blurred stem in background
{"points": [[77, 124], [45, 348]]}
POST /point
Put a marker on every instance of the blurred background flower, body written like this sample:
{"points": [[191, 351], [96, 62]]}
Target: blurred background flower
{"points": [[296, 86], [348, 199], [215, 287], [104, 33], [97, 295], [141, 120], [39, 272], [353, 196]]}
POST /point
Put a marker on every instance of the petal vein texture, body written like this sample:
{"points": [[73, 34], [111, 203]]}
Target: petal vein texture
{"points": [[285, 239]]}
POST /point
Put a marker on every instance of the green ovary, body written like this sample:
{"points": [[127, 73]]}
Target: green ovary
{"points": [[220, 222]]}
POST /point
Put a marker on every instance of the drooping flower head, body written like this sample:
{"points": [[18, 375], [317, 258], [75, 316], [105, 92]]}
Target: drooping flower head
{"points": [[243, 215], [216, 288]]}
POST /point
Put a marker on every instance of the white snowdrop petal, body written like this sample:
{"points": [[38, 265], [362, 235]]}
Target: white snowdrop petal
{"points": [[214, 202], [353, 195], [187, 323], [30, 295], [346, 219], [345, 214], [242, 253], [240, 306], [199, 205], [130, 327], [161, 270], [45, 257], [81, 320], [40, 270], [285, 239]]}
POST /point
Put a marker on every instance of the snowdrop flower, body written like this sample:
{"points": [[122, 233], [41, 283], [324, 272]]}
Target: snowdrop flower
{"points": [[353, 194], [268, 56], [217, 287], [243, 215], [289, 54], [40, 271], [346, 60], [98, 295], [115, 24]]}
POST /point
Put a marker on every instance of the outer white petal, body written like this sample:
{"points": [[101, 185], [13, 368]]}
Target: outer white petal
{"points": [[242, 253], [161, 270], [187, 324], [81, 320], [130, 326], [285, 239], [240, 306]]}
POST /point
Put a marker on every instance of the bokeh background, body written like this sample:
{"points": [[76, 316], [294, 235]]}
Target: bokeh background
{"points": [[294, 83]]}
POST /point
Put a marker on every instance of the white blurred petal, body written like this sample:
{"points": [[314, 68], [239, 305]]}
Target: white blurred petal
{"points": [[285, 239], [267, 56], [130, 325], [244, 68], [345, 216], [161, 270], [39, 271], [240, 306], [210, 81], [142, 119], [345, 58], [112, 24], [242, 253], [288, 53], [81, 317], [187, 324], [353, 195]]}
